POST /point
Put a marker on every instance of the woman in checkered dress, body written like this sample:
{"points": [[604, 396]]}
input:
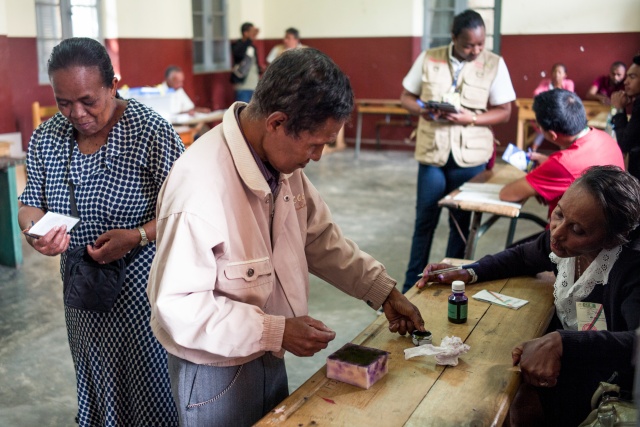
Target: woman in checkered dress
{"points": [[122, 152]]}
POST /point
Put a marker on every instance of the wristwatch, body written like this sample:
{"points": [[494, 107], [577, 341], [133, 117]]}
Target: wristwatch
{"points": [[473, 120], [144, 241]]}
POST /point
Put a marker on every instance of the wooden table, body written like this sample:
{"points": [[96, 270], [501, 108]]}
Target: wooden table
{"points": [[11, 243], [417, 392], [186, 119], [386, 107], [500, 174]]}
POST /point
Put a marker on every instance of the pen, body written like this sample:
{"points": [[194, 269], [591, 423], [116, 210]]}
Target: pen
{"points": [[446, 270], [498, 298], [423, 105], [595, 318]]}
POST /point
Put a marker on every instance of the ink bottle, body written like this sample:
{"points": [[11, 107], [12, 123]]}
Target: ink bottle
{"points": [[458, 303], [421, 338]]}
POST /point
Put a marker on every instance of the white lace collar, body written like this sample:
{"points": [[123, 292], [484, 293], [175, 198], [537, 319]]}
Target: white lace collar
{"points": [[567, 293]]}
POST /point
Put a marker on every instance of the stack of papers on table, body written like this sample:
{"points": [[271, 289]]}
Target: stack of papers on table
{"points": [[483, 193], [500, 299]]}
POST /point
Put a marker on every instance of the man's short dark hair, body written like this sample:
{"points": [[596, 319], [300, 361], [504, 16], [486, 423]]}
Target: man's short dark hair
{"points": [[245, 27], [294, 32], [618, 64], [307, 86], [560, 111], [636, 59], [468, 19], [170, 70]]}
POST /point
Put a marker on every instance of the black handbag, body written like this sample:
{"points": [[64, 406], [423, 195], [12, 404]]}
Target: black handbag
{"points": [[88, 285]]}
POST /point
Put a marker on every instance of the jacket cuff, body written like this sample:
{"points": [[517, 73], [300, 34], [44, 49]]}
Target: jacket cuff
{"points": [[272, 333], [379, 291]]}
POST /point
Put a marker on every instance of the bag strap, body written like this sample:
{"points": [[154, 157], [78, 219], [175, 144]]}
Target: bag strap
{"points": [[128, 259], [72, 196]]}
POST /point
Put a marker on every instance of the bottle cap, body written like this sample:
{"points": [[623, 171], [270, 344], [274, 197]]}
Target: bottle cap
{"points": [[457, 286]]}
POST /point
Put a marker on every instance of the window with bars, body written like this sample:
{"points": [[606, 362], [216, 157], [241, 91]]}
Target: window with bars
{"points": [[438, 17], [57, 20], [211, 50]]}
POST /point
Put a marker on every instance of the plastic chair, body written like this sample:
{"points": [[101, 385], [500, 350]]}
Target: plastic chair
{"points": [[41, 113]]}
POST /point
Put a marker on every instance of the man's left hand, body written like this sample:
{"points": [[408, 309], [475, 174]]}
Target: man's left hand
{"points": [[402, 315]]}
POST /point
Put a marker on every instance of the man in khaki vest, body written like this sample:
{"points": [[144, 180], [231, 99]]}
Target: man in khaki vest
{"points": [[452, 147]]}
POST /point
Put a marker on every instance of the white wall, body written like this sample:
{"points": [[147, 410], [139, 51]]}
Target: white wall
{"points": [[241, 11], [570, 16], [149, 19], [21, 18], [3, 17], [343, 18]]}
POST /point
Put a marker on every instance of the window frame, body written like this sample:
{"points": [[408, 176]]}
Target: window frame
{"points": [[64, 13], [459, 6], [211, 44]]}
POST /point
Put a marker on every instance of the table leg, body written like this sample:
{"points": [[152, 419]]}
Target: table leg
{"points": [[358, 136], [472, 240], [10, 244]]}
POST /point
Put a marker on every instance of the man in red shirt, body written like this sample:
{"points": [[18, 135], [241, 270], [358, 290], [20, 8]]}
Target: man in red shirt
{"points": [[563, 121]]}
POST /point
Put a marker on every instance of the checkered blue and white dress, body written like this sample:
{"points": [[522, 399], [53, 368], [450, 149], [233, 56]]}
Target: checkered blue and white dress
{"points": [[121, 369]]}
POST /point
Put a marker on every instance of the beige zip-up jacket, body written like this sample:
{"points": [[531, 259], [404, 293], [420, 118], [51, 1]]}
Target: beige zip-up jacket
{"points": [[233, 260]]}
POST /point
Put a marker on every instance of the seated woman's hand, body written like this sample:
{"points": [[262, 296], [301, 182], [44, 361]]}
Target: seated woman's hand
{"points": [[539, 360], [113, 245], [446, 278]]}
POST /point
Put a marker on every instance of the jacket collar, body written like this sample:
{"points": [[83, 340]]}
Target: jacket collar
{"points": [[241, 154]]}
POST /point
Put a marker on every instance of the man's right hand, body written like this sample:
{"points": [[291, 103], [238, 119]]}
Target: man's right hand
{"points": [[305, 336]]}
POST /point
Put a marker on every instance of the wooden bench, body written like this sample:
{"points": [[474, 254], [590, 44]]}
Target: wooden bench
{"points": [[526, 117], [386, 107]]}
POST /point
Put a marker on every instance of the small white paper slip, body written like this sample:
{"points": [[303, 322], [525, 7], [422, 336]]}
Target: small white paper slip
{"points": [[590, 316], [50, 220], [500, 299]]}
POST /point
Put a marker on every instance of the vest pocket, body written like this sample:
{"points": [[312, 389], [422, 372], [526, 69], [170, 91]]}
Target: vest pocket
{"points": [[432, 145], [477, 143], [474, 97]]}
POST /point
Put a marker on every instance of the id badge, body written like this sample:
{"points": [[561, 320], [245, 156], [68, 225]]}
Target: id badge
{"points": [[590, 316], [452, 98]]}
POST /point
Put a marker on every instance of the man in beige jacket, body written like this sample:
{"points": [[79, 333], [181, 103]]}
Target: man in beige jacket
{"points": [[240, 227]]}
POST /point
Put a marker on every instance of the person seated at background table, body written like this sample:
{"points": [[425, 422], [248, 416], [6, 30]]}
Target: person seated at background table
{"points": [[291, 41], [563, 121], [236, 242], [452, 148], [558, 80], [602, 87], [628, 129], [174, 79], [593, 247]]}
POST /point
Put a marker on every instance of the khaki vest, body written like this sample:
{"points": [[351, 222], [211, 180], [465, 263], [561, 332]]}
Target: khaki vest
{"points": [[470, 145]]}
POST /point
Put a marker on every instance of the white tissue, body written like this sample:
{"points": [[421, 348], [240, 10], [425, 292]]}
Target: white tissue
{"points": [[446, 354]]}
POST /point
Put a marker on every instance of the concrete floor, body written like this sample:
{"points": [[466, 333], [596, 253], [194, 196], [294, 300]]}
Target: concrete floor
{"points": [[373, 200]]}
